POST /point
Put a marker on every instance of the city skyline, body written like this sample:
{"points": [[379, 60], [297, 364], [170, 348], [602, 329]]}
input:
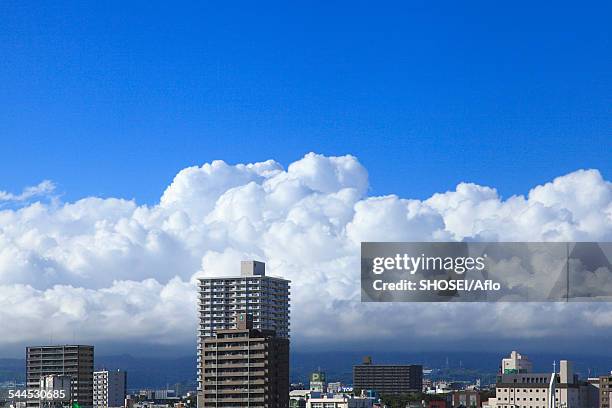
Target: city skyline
{"points": [[305, 205], [516, 379]]}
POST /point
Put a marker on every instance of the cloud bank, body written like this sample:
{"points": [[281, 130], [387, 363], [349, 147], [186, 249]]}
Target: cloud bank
{"points": [[114, 270]]}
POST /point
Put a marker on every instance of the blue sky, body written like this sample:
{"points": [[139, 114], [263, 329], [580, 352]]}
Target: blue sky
{"points": [[112, 99]]}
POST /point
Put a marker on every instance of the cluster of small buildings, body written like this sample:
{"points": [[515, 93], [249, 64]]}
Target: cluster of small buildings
{"points": [[63, 375], [370, 381], [162, 398], [321, 394], [60, 375], [518, 386]]}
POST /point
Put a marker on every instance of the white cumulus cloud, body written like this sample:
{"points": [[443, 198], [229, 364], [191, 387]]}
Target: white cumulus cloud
{"points": [[113, 269], [41, 189]]}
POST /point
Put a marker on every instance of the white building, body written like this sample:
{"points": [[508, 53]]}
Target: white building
{"points": [[109, 388], [55, 390], [520, 388], [515, 364], [339, 401], [266, 298], [334, 387]]}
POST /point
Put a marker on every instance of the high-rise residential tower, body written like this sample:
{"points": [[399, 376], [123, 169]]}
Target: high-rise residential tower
{"points": [[76, 361], [245, 367], [266, 298], [223, 299]]}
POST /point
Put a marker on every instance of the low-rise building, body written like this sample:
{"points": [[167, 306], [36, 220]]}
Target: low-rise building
{"points": [[334, 387], [317, 381], [339, 401], [516, 364], [438, 403], [466, 399], [390, 379], [298, 398]]}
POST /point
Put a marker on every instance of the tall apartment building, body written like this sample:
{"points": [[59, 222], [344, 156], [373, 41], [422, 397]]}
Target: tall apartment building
{"points": [[77, 361], [605, 390], [245, 367], [266, 298], [222, 299], [109, 388], [525, 389], [391, 379]]}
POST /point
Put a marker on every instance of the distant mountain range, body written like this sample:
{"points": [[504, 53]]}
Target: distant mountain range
{"points": [[151, 372], [456, 366], [143, 372]]}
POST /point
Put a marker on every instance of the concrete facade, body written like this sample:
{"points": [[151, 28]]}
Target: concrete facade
{"points": [[526, 389], [605, 390], [74, 360], [392, 379], [222, 299], [245, 367], [339, 401], [516, 364], [466, 398], [109, 388]]}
